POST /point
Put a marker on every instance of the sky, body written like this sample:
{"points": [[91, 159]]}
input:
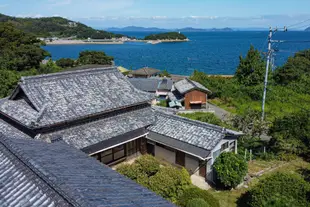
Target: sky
{"points": [[167, 13]]}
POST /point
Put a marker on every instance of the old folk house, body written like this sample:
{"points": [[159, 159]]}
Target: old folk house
{"points": [[99, 112], [188, 93]]}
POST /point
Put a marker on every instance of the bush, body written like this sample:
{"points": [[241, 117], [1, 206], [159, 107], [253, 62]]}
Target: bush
{"points": [[170, 182], [231, 169], [197, 202], [65, 62], [131, 171], [290, 186], [195, 192], [148, 165], [279, 201]]}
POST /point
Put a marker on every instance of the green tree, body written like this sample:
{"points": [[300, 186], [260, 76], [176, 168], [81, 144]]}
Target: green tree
{"points": [[251, 69], [65, 62], [291, 133], [164, 73], [18, 50], [94, 57], [166, 36], [8, 81], [230, 169]]}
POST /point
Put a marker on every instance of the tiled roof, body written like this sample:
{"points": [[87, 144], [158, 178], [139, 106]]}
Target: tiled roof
{"points": [[66, 96], [175, 95], [35, 173], [8, 129], [199, 134], [186, 85], [151, 84], [145, 71], [94, 132]]}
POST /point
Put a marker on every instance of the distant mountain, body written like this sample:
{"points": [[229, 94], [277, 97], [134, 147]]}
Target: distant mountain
{"points": [[155, 29], [308, 29], [57, 27]]}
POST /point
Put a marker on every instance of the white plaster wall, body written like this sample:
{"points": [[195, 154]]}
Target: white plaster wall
{"points": [[165, 154], [192, 164]]}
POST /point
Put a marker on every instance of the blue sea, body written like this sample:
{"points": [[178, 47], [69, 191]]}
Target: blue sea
{"points": [[210, 52]]}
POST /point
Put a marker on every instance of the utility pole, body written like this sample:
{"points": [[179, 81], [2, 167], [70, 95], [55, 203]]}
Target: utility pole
{"points": [[267, 71], [269, 55]]}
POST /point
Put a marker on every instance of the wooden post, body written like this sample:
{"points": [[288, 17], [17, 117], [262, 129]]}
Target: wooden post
{"points": [[245, 154], [250, 155]]}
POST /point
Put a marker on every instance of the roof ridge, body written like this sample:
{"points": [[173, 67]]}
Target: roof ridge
{"points": [[16, 151], [100, 69], [203, 124]]}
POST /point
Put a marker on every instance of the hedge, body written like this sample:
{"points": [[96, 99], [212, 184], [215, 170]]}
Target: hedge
{"points": [[195, 192], [170, 182], [148, 164], [277, 187]]}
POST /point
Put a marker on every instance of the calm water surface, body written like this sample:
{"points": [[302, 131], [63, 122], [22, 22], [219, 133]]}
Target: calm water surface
{"points": [[210, 52]]}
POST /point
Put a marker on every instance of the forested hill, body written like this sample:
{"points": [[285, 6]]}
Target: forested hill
{"points": [[166, 36], [308, 29], [56, 27]]}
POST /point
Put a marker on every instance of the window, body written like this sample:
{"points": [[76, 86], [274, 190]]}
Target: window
{"points": [[224, 146], [131, 147], [216, 154], [112, 155]]}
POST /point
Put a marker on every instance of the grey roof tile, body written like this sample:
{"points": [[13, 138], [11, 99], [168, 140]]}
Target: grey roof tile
{"points": [[186, 85], [92, 133], [151, 84], [35, 173], [200, 134], [66, 96], [145, 71]]}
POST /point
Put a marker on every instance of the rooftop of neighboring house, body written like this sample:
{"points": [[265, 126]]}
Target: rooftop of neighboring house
{"points": [[36, 173], [151, 84], [146, 71], [45, 100], [196, 137], [180, 88], [186, 85]]}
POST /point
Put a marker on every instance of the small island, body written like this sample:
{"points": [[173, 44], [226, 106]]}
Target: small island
{"points": [[308, 29], [166, 37]]}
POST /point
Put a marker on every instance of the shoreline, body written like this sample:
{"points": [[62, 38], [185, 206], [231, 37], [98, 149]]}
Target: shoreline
{"points": [[84, 42], [81, 42]]}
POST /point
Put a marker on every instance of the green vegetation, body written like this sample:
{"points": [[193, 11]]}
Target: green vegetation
{"points": [[21, 55], [19, 51], [195, 192], [197, 202], [57, 27], [291, 134], [166, 36], [94, 57], [243, 93], [169, 182], [230, 169], [162, 103], [65, 63], [164, 73], [278, 188]]}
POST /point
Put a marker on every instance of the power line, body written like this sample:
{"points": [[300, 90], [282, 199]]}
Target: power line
{"points": [[298, 23]]}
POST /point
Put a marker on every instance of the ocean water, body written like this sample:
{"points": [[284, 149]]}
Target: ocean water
{"points": [[210, 52]]}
